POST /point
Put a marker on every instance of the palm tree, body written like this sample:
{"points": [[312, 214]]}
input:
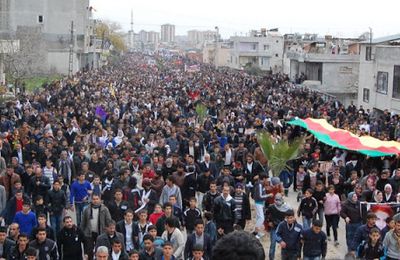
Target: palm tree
{"points": [[278, 154], [201, 111]]}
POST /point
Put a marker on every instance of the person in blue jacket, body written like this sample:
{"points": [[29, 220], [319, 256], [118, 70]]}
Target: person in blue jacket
{"points": [[314, 242], [26, 219], [288, 235]]}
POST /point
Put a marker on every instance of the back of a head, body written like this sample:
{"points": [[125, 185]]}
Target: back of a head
{"points": [[238, 245]]}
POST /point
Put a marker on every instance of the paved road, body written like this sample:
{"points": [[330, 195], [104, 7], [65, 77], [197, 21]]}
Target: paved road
{"points": [[334, 253]]}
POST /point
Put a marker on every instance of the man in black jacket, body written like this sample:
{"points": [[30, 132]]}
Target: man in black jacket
{"points": [[70, 240], [198, 237], [127, 225], [224, 210], [40, 184], [47, 248], [57, 202], [5, 243]]}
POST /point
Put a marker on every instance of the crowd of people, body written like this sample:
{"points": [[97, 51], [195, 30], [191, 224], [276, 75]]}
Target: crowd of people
{"points": [[116, 163]]}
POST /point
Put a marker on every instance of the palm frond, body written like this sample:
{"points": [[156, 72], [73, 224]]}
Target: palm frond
{"points": [[278, 154], [201, 111]]}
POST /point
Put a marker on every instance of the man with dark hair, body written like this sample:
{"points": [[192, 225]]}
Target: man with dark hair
{"points": [[95, 218], [31, 254], [171, 189], [117, 207], [117, 252], [198, 237], [128, 229], [288, 236], [314, 242], [362, 232], [168, 213], [6, 244], [47, 248], [70, 240], [13, 206], [110, 235], [57, 203], [19, 251], [238, 245], [173, 235], [150, 252], [224, 211], [42, 223], [25, 218]]}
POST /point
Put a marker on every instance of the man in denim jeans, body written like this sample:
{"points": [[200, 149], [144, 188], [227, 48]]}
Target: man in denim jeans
{"points": [[57, 202], [80, 191]]}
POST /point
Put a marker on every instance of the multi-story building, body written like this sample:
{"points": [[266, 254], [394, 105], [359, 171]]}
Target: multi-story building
{"points": [[217, 53], [379, 83], [167, 33], [263, 49], [44, 30], [332, 62], [198, 38]]}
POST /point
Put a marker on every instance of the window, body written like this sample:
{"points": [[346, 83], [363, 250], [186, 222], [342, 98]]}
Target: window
{"points": [[368, 53], [266, 47], [40, 19], [366, 95], [276, 55], [382, 82], [254, 46], [396, 82]]}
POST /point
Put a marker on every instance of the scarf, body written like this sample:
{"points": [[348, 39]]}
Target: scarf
{"points": [[282, 207], [94, 207]]}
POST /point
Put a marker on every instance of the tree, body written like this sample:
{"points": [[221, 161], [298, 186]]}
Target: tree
{"points": [[201, 111], [278, 154], [30, 57], [110, 33]]}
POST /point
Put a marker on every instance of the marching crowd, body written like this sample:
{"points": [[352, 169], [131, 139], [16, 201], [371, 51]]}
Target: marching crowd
{"points": [[123, 149]]}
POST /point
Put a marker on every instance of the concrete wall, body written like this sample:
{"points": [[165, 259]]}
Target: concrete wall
{"points": [[384, 59]]}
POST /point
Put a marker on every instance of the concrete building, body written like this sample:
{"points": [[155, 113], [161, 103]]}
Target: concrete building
{"points": [[217, 54], [167, 33], [380, 74], [197, 38], [331, 62], [148, 40], [262, 49], [44, 30]]}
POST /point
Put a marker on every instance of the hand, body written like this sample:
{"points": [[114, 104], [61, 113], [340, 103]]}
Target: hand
{"points": [[270, 224], [86, 257], [283, 244], [38, 183], [347, 220]]}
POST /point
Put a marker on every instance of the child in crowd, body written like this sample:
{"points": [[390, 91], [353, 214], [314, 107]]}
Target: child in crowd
{"points": [[372, 248], [190, 215], [210, 228], [288, 235], [299, 181], [307, 208], [39, 207]]}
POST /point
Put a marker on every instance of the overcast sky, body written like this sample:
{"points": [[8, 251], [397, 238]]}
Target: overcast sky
{"points": [[343, 18]]}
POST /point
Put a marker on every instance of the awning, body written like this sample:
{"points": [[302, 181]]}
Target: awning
{"points": [[346, 140]]}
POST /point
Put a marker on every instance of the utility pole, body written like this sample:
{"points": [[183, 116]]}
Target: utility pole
{"points": [[216, 46], [71, 52]]}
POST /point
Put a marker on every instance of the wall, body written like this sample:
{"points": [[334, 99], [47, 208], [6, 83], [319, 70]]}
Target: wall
{"points": [[386, 57]]}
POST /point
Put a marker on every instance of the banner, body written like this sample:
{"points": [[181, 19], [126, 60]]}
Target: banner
{"points": [[381, 210]]}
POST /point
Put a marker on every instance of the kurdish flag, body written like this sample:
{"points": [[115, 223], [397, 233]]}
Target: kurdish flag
{"points": [[346, 140]]}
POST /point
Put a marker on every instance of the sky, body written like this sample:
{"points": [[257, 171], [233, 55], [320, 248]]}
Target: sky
{"points": [[341, 18]]}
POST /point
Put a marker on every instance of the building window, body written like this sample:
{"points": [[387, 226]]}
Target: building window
{"points": [[396, 82], [366, 95], [382, 82], [368, 53], [276, 55], [266, 47], [254, 46], [40, 19]]}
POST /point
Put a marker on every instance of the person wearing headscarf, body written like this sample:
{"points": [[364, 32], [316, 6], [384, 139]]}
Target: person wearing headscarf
{"points": [[388, 195], [275, 214], [378, 196], [351, 214]]}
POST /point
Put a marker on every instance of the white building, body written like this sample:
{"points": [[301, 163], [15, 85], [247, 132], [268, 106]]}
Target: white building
{"points": [[198, 38], [380, 74], [261, 49], [167, 33], [217, 54], [44, 30]]}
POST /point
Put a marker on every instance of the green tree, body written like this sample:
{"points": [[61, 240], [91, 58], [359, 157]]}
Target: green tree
{"points": [[112, 32], [278, 154]]}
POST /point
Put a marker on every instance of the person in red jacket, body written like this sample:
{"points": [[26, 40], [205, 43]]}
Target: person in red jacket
{"points": [[148, 172], [156, 214]]}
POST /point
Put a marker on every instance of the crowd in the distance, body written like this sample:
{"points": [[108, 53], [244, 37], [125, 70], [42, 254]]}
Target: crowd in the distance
{"points": [[122, 150]]}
